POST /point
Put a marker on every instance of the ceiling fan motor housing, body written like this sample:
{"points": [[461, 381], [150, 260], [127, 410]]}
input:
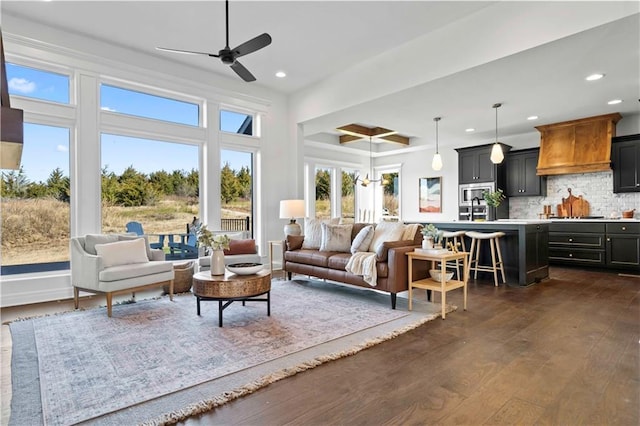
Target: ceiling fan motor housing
{"points": [[227, 57]]}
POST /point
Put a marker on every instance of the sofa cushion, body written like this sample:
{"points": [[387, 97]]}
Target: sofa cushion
{"points": [[122, 252], [122, 272], [336, 237], [309, 257], [241, 247], [294, 242], [357, 227], [339, 261], [90, 241], [362, 241], [383, 250], [386, 231]]}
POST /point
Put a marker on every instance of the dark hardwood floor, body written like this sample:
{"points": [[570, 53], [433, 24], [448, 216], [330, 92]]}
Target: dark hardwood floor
{"points": [[561, 352]]}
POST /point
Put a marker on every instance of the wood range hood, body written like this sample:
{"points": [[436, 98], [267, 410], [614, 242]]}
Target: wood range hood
{"points": [[577, 146]]}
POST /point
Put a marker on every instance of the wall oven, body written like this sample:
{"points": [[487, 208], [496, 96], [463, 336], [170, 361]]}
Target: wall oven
{"points": [[468, 192]]}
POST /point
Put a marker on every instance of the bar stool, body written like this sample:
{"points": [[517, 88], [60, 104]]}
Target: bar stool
{"points": [[474, 261], [457, 238]]}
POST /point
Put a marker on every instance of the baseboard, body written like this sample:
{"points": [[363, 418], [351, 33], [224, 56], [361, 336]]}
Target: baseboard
{"points": [[35, 289]]}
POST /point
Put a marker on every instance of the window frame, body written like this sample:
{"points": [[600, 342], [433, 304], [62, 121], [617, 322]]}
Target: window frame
{"points": [[49, 67], [255, 121], [151, 91]]}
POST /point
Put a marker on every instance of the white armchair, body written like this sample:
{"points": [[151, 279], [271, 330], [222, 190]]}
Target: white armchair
{"points": [[129, 265]]}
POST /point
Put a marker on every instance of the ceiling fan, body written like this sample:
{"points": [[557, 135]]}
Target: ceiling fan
{"points": [[229, 56]]}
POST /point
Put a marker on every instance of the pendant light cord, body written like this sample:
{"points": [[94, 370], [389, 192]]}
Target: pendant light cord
{"points": [[496, 106]]}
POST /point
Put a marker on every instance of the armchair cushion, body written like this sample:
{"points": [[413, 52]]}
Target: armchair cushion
{"points": [[122, 252], [90, 241], [146, 243], [124, 272]]}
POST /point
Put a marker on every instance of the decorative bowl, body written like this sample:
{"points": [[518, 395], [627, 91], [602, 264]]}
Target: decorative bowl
{"points": [[244, 268], [435, 275]]}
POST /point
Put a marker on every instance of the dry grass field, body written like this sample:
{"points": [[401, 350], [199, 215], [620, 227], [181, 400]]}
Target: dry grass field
{"points": [[37, 230]]}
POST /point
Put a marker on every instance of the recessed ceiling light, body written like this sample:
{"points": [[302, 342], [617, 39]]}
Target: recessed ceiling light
{"points": [[614, 101], [532, 117], [470, 129], [594, 77], [281, 74]]}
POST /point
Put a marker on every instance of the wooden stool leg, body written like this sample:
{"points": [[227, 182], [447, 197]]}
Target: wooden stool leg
{"points": [[493, 261], [504, 280], [471, 255], [478, 244]]}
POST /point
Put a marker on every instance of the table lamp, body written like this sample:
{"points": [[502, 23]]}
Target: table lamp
{"points": [[292, 209]]}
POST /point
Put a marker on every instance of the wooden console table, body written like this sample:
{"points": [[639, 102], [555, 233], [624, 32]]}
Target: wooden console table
{"points": [[443, 286]]}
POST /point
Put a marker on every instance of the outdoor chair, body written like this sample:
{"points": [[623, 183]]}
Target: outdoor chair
{"points": [[136, 227]]}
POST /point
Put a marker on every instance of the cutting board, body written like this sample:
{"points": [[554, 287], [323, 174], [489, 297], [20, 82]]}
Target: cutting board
{"points": [[573, 206]]}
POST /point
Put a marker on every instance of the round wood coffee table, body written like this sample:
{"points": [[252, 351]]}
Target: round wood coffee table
{"points": [[231, 287]]}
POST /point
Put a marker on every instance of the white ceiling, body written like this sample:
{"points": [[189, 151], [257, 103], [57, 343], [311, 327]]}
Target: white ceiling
{"points": [[315, 40]]}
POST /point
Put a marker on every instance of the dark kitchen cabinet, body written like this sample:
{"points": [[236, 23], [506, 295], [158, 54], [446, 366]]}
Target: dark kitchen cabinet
{"points": [[572, 243], [537, 252], [521, 177], [625, 161], [623, 245], [474, 165]]}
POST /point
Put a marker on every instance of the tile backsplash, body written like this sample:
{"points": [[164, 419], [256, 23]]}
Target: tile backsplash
{"points": [[596, 188]]}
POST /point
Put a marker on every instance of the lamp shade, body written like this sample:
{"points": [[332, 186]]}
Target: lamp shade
{"points": [[291, 209]]}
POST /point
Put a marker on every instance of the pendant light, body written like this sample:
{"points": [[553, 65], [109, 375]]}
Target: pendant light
{"points": [[496, 151], [366, 181], [436, 163]]}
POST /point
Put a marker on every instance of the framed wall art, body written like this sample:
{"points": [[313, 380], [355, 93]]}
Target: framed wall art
{"points": [[430, 200]]}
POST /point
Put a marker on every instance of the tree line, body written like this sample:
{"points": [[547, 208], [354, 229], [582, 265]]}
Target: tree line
{"points": [[323, 183], [131, 188]]}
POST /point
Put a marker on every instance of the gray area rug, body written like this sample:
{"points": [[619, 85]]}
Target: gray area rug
{"points": [[156, 361]]}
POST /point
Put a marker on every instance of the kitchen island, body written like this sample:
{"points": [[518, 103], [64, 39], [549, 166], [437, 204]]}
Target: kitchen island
{"points": [[525, 246]]}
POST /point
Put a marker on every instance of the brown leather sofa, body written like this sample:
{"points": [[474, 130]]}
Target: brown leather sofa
{"points": [[391, 263]]}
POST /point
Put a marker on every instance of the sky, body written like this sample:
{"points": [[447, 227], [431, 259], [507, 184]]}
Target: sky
{"points": [[47, 147]]}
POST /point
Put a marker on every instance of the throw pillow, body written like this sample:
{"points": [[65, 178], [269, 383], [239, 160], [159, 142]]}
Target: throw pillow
{"points": [[294, 242], [241, 247], [386, 231], [122, 252], [312, 233], [133, 237], [335, 237], [90, 241], [362, 241]]}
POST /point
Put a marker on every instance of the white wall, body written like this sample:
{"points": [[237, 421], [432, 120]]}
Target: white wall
{"points": [[280, 155]]}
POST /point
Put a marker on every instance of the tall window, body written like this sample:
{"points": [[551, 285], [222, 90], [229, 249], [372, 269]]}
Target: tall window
{"points": [[391, 194], [323, 193], [348, 196], [37, 84], [236, 190], [35, 203], [151, 182], [131, 102]]}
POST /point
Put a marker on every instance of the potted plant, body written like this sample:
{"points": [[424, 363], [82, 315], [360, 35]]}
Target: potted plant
{"points": [[218, 243], [493, 200], [430, 236]]}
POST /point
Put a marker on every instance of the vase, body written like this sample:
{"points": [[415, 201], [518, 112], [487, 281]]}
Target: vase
{"points": [[427, 242], [217, 262]]}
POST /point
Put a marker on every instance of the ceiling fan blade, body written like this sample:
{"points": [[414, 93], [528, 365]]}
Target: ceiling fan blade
{"points": [[256, 43], [186, 52], [242, 71]]}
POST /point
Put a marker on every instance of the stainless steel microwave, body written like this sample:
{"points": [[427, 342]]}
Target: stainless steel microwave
{"points": [[470, 191]]}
